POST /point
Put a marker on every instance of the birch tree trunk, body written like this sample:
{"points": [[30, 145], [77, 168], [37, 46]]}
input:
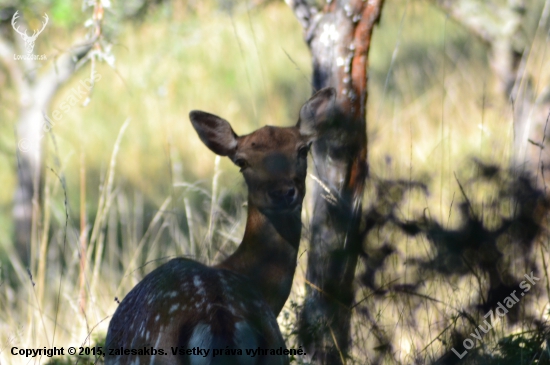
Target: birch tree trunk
{"points": [[36, 93], [339, 37]]}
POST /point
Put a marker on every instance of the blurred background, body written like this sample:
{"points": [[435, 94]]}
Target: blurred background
{"points": [[455, 209]]}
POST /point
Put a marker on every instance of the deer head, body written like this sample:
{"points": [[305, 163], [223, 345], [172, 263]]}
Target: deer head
{"points": [[273, 160]]}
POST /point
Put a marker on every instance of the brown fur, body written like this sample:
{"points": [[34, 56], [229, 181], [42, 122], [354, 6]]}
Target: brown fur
{"points": [[234, 304]]}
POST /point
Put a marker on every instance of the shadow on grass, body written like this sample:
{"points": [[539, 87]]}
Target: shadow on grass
{"points": [[497, 242]]}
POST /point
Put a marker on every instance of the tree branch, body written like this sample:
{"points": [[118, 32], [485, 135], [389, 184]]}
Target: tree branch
{"points": [[14, 70], [487, 21], [303, 11]]}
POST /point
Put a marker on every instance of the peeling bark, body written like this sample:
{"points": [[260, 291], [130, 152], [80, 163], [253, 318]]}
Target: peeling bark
{"points": [[339, 37]]}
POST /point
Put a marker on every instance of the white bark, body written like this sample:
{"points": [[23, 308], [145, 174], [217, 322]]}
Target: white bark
{"points": [[35, 96]]}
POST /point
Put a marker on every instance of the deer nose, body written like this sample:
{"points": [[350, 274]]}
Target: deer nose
{"points": [[287, 195]]}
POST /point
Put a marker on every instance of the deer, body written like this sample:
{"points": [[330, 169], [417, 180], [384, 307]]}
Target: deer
{"points": [[29, 40], [185, 312]]}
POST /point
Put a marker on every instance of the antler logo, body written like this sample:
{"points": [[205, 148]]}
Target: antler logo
{"points": [[29, 40]]}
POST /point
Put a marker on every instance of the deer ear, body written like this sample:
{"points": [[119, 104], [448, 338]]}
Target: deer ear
{"points": [[216, 133], [316, 112]]}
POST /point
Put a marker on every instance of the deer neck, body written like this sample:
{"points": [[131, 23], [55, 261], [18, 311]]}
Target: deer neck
{"points": [[267, 255]]}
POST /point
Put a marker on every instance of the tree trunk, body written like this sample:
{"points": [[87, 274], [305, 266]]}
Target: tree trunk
{"points": [[35, 95], [339, 37], [502, 27], [499, 27]]}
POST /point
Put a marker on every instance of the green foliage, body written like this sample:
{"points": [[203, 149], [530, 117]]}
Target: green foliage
{"points": [[522, 349], [526, 348], [66, 13]]}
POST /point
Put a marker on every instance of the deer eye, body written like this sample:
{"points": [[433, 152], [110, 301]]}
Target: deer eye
{"points": [[303, 151], [241, 163]]}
